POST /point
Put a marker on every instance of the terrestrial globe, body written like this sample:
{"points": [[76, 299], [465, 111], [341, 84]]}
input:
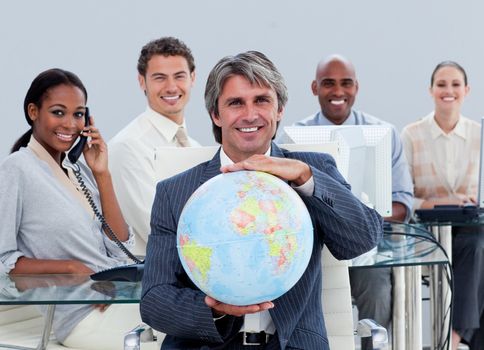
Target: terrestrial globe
{"points": [[245, 237]]}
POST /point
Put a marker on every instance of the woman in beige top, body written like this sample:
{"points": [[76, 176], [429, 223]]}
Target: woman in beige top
{"points": [[442, 152]]}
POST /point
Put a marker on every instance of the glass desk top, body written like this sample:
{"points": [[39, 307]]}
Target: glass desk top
{"points": [[402, 245], [65, 289]]}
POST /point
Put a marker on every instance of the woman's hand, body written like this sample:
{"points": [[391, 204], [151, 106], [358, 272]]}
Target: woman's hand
{"points": [[96, 150]]}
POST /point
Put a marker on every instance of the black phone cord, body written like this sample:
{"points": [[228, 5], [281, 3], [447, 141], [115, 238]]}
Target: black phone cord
{"points": [[104, 224]]}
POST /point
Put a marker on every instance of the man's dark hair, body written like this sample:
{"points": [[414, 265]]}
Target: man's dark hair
{"points": [[167, 46]]}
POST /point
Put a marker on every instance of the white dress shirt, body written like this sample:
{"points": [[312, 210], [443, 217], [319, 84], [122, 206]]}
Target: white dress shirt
{"points": [[136, 170], [449, 150]]}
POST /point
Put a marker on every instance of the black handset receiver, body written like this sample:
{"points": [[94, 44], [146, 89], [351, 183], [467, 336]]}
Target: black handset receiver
{"points": [[76, 151]]}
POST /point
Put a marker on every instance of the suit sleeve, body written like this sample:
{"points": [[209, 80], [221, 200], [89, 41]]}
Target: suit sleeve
{"points": [[402, 186], [170, 302], [347, 227], [408, 145]]}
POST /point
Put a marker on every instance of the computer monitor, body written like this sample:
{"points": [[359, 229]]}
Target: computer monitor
{"points": [[365, 158], [480, 189]]}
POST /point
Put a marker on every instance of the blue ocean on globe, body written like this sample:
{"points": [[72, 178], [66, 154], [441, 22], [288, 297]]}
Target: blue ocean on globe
{"points": [[245, 237]]}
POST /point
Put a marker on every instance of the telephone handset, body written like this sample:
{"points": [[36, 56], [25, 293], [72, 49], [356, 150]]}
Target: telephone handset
{"points": [[76, 151], [125, 273]]}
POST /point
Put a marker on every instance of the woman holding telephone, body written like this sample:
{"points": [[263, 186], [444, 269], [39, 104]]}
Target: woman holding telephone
{"points": [[48, 225]]}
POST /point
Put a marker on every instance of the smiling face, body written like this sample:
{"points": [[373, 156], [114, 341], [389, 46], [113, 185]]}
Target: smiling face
{"points": [[336, 87], [58, 121], [248, 117], [448, 89], [167, 85]]}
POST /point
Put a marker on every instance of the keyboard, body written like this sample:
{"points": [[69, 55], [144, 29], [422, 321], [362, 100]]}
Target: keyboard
{"points": [[449, 213], [130, 273]]}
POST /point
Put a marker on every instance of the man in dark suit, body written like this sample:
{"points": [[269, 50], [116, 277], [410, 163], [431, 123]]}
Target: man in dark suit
{"points": [[245, 96]]}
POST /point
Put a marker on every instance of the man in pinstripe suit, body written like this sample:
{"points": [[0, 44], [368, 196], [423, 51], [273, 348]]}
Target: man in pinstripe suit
{"points": [[245, 96]]}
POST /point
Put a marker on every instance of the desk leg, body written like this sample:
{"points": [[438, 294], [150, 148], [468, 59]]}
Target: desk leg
{"points": [[413, 304], [446, 241], [49, 319], [440, 290], [398, 339]]}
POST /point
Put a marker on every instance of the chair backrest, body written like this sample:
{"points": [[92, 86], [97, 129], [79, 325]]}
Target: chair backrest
{"points": [[336, 300], [336, 296]]}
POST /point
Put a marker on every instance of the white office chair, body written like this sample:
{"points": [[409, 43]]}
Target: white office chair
{"points": [[336, 300]]}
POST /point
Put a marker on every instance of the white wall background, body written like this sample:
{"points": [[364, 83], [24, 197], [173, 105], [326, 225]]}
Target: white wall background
{"points": [[394, 46]]}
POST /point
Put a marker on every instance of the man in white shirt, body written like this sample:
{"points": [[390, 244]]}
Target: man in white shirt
{"points": [[166, 74]]}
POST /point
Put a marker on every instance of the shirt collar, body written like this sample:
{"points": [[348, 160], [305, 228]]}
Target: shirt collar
{"points": [[460, 128], [41, 152], [69, 181], [323, 120], [164, 125], [436, 131], [225, 160]]}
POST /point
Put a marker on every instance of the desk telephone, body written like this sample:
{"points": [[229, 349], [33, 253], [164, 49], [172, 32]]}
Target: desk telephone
{"points": [[132, 272]]}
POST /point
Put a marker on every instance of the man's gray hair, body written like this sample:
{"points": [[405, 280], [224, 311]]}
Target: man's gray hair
{"points": [[252, 65]]}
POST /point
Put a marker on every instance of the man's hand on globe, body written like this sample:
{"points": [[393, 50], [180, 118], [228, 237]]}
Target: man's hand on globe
{"points": [[287, 169], [220, 309]]}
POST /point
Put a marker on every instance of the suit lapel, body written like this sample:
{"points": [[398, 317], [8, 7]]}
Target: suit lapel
{"points": [[276, 151], [212, 169]]}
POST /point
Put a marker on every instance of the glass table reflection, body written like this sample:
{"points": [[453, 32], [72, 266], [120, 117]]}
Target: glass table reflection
{"points": [[52, 290], [65, 289]]}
